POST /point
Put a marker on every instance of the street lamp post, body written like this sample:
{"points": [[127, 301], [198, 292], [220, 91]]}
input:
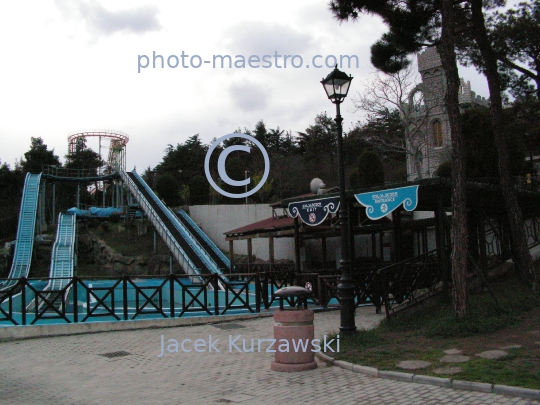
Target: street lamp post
{"points": [[336, 86]]}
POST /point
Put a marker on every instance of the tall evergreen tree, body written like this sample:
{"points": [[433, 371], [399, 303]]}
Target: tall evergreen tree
{"points": [[489, 66], [412, 25], [38, 155]]}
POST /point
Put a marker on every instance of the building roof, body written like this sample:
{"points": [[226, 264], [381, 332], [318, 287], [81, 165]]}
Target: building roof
{"points": [[269, 224]]}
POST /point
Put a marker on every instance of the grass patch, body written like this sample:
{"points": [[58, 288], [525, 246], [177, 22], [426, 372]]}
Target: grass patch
{"points": [[423, 333], [517, 370]]}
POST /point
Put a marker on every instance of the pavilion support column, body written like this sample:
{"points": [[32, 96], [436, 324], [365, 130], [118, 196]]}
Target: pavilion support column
{"points": [[297, 245], [440, 231], [250, 253], [396, 222], [381, 245], [323, 250], [231, 253], [271, 249]]}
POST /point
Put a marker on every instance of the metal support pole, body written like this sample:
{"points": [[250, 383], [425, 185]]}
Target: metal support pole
{"points": [[323, 251], [231, 252], [297, 246], [250, 253], [345, 287], [271, 249], [42, 219], [53, 221], [78, 195]]}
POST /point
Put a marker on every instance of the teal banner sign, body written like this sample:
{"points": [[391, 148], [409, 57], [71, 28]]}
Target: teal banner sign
{"points": [[381, 203], [314, 212]]}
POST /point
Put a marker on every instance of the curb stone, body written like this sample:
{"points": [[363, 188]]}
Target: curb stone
{"points": [[472, 386], [426, 379], [441, 382], [396, 375], [517, 391], [344, 364], [372, 371], [324, 358]]}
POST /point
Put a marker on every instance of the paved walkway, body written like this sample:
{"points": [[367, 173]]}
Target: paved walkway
{"points": [[73, 370]]}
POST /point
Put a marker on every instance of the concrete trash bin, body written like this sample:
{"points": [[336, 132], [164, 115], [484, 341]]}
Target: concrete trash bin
{"points": [[293, 333]]}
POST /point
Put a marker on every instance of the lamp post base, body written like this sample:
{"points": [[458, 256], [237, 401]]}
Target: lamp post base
{"points": [[348, 307]]}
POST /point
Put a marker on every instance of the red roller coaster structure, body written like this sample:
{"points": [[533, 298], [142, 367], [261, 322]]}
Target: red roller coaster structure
{"points": [[117, 145]]}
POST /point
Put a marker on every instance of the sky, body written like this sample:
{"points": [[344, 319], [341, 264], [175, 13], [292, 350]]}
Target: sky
{"points": [[70, 66]]}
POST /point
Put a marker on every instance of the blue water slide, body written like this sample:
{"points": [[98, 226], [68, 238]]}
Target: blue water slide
{"points": [[63, 252], [180, 249], [221, 260], [24, 244], [62, 262], [209, 265]]}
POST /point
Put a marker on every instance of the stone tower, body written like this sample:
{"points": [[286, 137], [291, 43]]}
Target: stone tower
{"points": [[435, 128]]}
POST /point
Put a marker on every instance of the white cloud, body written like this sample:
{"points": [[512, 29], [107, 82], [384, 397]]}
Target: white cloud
{"points": [[249, 96], [261, 38], [72, 65], [103, 22]]}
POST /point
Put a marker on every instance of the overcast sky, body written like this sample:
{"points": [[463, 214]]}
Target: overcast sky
{"points": [[70, 66]]}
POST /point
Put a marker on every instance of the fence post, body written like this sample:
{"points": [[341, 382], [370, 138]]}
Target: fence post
{"points": [[125, 297], [266, 291], [215, 284], [75, 301], [171, 295], [257, 293], [23, 300]]}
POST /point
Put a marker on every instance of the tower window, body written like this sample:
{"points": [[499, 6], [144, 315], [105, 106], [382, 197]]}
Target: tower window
{"points": [[437, 134]]}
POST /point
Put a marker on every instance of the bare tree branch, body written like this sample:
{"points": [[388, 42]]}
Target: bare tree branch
{"points": [[399, 91]]}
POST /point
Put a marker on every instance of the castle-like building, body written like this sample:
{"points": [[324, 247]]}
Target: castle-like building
{"points": [[434, 128]]}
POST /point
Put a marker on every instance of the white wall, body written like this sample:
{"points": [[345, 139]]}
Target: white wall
{"points": [[215, 220]]}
